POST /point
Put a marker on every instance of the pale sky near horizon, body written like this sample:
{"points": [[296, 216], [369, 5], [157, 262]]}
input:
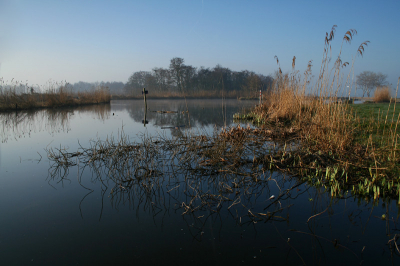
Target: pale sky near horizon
{"points": [[42, 40]]}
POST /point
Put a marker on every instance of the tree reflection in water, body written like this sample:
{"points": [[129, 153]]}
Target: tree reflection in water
{"points": [[20, 124]]}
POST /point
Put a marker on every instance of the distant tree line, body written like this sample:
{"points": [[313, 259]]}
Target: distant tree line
{"points": [[81, 86], [185, 78], [178, 78]]}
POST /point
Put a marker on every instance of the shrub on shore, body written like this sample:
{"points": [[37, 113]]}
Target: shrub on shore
{"points": [[382, 94]]}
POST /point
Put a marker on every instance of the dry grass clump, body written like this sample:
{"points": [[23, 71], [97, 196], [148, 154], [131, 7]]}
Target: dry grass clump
{"points": [[100, 95], [382, 94], [328, 127], [321, 123], [58, 97], [280, 106]]}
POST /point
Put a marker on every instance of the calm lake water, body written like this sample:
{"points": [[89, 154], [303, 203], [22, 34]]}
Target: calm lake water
{"points": [[51, 217]]}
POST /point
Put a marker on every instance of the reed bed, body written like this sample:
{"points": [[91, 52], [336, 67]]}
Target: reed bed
{"points": [[19, 96]]}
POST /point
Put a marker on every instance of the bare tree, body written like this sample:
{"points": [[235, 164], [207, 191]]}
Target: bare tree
{"points": [[188, 77], [163, 78], [254, 82], [176, 68], [136, 82], [369, 80]]}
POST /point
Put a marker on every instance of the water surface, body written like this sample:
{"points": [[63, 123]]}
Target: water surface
{"points": [[75, 218]]}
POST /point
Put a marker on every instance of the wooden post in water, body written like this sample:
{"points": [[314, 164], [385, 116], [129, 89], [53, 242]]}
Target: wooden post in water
{"points": [[260, 98], [144, 121], [144, 92]]}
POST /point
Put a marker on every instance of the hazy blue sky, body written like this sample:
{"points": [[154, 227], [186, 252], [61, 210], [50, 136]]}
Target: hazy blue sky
{"points": [[109, 40]]}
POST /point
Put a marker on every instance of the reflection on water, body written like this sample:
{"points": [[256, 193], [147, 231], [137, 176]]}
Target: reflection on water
{"points": [[19, 124], [107, 212], [192, 113]]}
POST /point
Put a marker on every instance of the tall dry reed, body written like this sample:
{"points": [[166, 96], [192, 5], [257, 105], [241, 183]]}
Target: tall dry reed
{"points": [[322, 122]]}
